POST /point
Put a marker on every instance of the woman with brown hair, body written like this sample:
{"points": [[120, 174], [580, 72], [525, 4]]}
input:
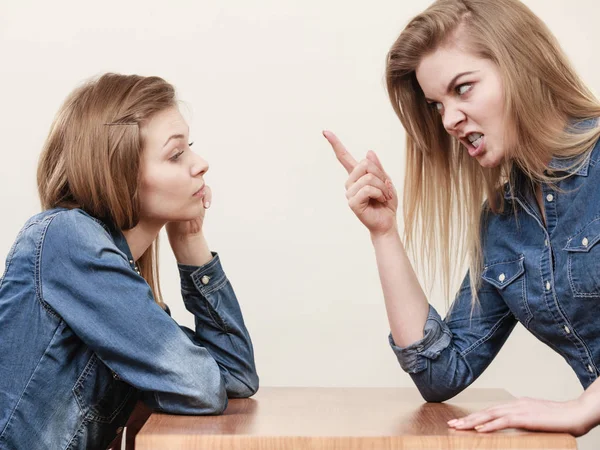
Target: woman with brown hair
{"points": [[84, 332], [502, 169]]}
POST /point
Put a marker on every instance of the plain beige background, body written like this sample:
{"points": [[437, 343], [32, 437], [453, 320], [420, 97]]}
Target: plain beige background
{"points": [[260, 80]]}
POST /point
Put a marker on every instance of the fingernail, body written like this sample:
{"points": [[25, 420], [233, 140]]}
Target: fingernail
{"points": [[325, 133], [452, 422], [480, 427], [207, 205]]}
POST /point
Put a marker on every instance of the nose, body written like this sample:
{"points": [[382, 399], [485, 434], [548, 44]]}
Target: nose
{"points": [[453, 118], [199, 166]]}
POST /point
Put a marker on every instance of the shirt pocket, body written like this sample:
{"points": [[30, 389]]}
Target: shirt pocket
{"points": [[508, 276], [101, 395], [583, 261]]}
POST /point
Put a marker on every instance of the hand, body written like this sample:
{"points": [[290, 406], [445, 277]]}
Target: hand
{"points": [[369, 190], [190, 228], [187, 239], [531, 414]]}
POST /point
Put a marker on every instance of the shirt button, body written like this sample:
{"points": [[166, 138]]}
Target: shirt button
{"points": [[119, 430], [547, 285], [205, 279], [546, 242], [590, 368], [502, 277], [567, 330], [549, 197], [585, 242]]}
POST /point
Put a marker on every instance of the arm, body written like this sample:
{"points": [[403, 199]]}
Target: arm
{"points": [[442, 357], [191, 251], [111, 309], [455, 351], [373, 199]]}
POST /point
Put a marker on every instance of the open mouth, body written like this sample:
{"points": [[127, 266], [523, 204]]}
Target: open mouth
{"points": [[475, 139], [474, 142], [199, 192]]}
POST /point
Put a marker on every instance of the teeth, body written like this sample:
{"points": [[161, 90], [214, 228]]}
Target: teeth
{"points": [[474, 136], [476, 143]]}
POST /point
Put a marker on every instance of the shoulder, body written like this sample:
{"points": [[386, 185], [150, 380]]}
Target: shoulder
{"points": [[71, 231]]}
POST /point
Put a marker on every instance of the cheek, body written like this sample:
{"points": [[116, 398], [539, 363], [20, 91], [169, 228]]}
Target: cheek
{"points": [[160, 191]]}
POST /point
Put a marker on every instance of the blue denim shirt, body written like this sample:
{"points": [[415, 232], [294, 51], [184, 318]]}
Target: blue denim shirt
{"points": [[546, 277], [82, 339]]}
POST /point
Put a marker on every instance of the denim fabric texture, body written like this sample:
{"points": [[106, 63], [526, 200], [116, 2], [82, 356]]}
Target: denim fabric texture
{"points": [[545, 276], [82, 339]]}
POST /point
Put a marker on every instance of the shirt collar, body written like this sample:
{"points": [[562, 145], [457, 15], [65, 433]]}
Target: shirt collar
{"points": [[121, 242], [564, 165]]}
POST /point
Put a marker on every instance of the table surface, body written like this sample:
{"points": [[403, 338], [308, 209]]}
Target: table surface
{"points": [[340, 418]]}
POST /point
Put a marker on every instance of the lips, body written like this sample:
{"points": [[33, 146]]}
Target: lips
{"points": [[474, 151], [199, 192]]}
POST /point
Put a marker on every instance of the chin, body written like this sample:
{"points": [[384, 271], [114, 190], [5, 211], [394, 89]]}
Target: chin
{"points": [[489, 160]]}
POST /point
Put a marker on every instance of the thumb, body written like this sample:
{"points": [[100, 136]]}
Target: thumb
{"points": [[372, 156]]}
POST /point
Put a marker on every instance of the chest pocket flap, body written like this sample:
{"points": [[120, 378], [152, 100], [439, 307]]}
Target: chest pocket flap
{"points": [[584, 240], [501, 274]]}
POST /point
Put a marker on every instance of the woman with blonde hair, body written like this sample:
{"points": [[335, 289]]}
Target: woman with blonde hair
{"points": [[502, 168], [84, 332]]}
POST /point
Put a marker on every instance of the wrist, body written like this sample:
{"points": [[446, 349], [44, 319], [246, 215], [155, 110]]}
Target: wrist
{"points": [[385, 236], [589, 408], [191, 250]]}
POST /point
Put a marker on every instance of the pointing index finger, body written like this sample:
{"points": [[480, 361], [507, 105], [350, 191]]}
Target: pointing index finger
{"points": [[340, 151]]}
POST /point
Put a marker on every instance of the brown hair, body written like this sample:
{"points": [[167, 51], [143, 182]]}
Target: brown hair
{"points": [[445, 189], [91, 158]]}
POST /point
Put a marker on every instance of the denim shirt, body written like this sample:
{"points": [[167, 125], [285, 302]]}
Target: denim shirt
{"points": [[545, 276], [82, 339]]}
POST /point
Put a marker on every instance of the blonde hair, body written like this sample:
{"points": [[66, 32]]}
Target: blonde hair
{"points": [[447, 194], [91, 158]]}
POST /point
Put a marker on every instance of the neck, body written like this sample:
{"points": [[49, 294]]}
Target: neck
{"points": [[140, 237]]}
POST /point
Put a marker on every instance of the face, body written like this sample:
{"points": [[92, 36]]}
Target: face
{"points": [[172, 176], [467, 92]]}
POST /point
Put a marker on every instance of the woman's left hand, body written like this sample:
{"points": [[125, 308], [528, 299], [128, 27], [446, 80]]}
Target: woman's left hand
{"points": [[190, 228], [187, 239], [532, 414]]}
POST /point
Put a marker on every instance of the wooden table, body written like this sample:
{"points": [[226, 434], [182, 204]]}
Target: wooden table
{"points": [[340, 418]]}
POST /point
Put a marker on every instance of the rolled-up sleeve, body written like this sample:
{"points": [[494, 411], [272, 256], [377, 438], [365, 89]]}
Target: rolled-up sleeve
{"points": [[436, 337], [455, 351]]}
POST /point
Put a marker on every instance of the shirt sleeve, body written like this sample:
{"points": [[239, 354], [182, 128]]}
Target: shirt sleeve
{"points": [[455, 351], [88, 281]]}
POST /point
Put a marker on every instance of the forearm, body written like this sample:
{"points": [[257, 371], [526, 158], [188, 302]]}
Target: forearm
{"points": [[405, 301], [220, 327], [590, 401], [191, 250]]}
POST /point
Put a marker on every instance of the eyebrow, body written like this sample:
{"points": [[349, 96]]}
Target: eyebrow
{"points": [[453, 82], [175, 136]]}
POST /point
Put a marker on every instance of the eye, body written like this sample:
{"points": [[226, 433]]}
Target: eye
{"points": [[462, 89], [437, 106], [190, 144], [176, 156]]}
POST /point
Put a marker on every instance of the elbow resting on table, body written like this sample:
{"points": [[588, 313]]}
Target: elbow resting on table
{"points": [[437, 393], [243, 388]]}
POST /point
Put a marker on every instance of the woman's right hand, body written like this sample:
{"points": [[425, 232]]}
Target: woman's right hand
{"points": [[369, 190]]}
